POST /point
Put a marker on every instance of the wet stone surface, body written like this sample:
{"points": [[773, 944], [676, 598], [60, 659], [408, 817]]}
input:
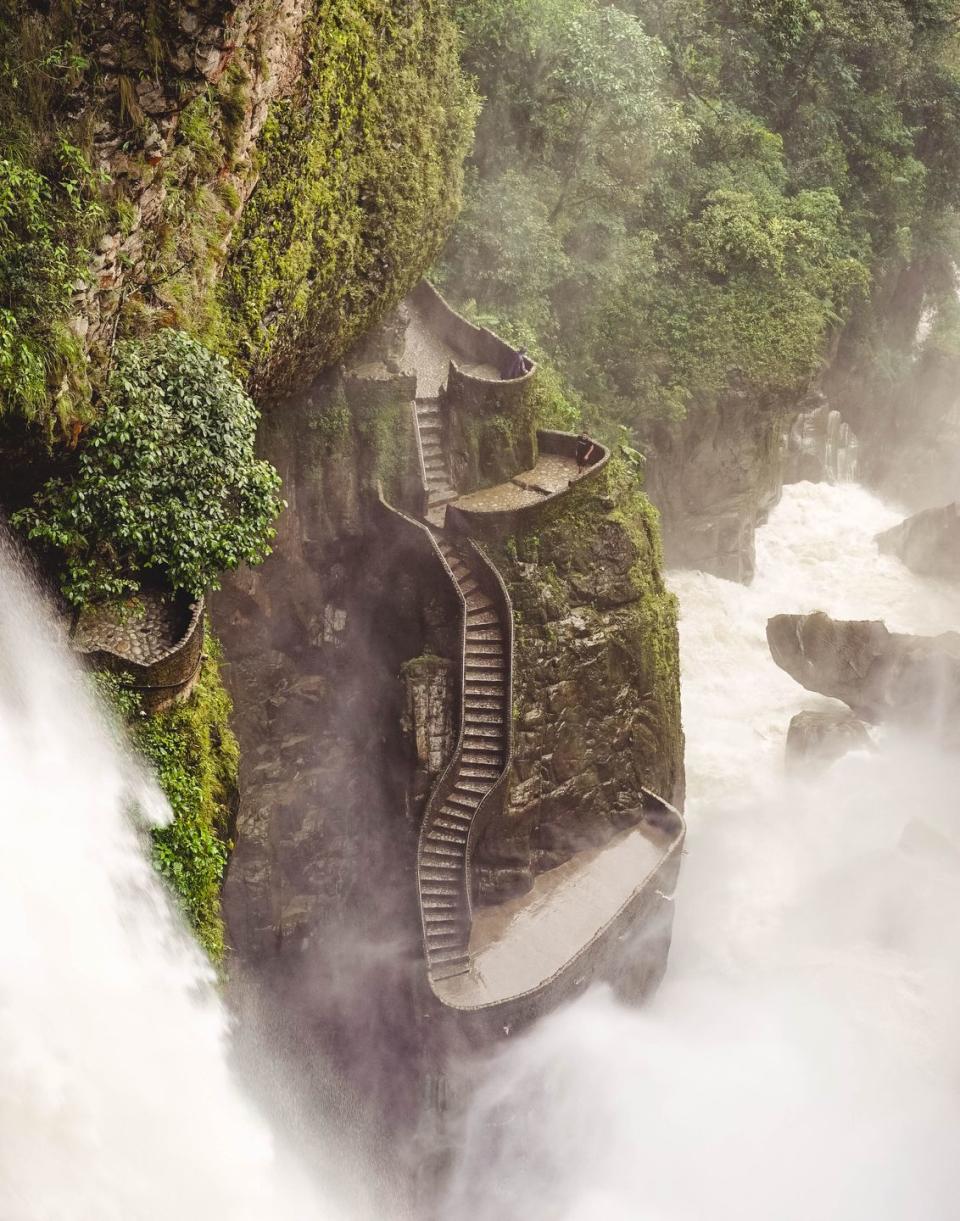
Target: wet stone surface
{"points": [[427, 355], [142, 630], [551, 474]]}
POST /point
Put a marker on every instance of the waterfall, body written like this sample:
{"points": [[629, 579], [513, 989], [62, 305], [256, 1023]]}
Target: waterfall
{"points": [[800, 1060], [117, 1102]]}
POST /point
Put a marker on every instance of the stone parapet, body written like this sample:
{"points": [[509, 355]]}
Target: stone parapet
{"points": [[157, 644]]}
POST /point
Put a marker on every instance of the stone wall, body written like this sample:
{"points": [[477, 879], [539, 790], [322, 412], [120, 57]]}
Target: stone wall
{"points": [[596, 686]]}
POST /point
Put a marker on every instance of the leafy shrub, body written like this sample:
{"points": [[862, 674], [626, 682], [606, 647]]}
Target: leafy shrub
{"points": [[194, 756], [166, 483]]}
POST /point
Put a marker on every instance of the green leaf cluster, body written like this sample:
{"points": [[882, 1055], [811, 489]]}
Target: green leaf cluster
{"points": [[166, 484], [683, 197], [194, 755]]}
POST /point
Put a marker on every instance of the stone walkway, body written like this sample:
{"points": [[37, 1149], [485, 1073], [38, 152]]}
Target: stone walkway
{"points": [[428, 356], [518, 945], [143, 631], [551, 474]]}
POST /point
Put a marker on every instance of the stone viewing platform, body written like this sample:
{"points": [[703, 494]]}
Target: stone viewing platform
{"points": [[154, 639], [519, 947]]}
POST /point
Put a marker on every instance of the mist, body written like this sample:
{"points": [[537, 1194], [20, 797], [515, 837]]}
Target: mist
{"points": [[800, 1058]]}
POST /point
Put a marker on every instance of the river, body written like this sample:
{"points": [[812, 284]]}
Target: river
{"points": [[800, 1060]]}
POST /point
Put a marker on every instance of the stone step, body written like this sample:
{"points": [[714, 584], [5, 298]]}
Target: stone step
{"points": [[439, 888], [445, 939], [437, 904], [472, 784], [439, 851], [479, 771], [484, 689], [448, 957], [476, 635], [469, 585], [429, 421], [440, 835], [467, 801], [440, 918], [475, 719], [475, 704], [477, 602], [484, 661], [481, 618], [438, 973], [481, 731], [452, 823], [490, 757], [433, 460], [484, 648], [478, 679]]}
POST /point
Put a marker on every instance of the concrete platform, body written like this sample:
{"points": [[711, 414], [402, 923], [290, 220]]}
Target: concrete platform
{"points": [[518, 946], [552, 474], [428, 356]]}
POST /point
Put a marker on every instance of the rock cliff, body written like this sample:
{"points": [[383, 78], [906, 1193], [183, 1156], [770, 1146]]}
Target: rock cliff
{"points": [[912, 681], [928, 542]]}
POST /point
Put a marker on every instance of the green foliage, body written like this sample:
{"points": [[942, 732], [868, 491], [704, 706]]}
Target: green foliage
{"points": [[194, 755], [359, 182], [49, 211], [166, 483], [695, 195]]}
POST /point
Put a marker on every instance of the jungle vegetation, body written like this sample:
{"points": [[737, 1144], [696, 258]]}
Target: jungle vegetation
{"points": [[682, 196]]}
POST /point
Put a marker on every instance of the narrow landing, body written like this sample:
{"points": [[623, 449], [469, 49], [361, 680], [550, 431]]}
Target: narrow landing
{"points": [[429, 356], [517, 946], [552, 474]]}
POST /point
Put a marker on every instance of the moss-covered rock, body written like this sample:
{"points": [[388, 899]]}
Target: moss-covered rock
{"points": [[194, 756], [596, 677], [359, 182]]}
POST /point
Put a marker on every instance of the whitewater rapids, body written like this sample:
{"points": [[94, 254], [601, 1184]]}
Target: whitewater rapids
{"points": [[117, 1102], [801, 1059]]}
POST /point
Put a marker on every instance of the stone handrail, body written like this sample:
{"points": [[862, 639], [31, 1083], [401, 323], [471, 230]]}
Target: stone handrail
{"points": [[447, 779], [652, 894], [165, 680], [475, 343], [495, 587]]}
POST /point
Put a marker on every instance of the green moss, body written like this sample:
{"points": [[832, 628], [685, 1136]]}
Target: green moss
{"points": [[359, 182], [195, 756]]}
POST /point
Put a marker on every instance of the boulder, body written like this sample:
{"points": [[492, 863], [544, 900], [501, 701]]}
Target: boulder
{"points": [[817, 739], [883, 676], [928, 542]]}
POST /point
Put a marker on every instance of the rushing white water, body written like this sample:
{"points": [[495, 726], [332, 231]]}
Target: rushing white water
{"points": [[116, 1099], [801, 1059]]}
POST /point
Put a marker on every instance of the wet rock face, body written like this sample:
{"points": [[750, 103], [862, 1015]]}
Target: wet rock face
{"points": [[817, 739], [820, 447], [928, 542], [913, 681], [714, 478]]}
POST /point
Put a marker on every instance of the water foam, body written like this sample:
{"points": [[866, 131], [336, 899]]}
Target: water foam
{"points": [[800, 1060], [117, 1102]]}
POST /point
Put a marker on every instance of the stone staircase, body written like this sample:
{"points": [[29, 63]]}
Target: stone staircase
{"points": [[436, 476], [475, 769], [482, 753]]}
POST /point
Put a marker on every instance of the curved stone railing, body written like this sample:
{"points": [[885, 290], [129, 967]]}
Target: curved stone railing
{"points": [[470, 790], [499, 523], [629, 947], [447, 833], [475, 344], [165, 679]]}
